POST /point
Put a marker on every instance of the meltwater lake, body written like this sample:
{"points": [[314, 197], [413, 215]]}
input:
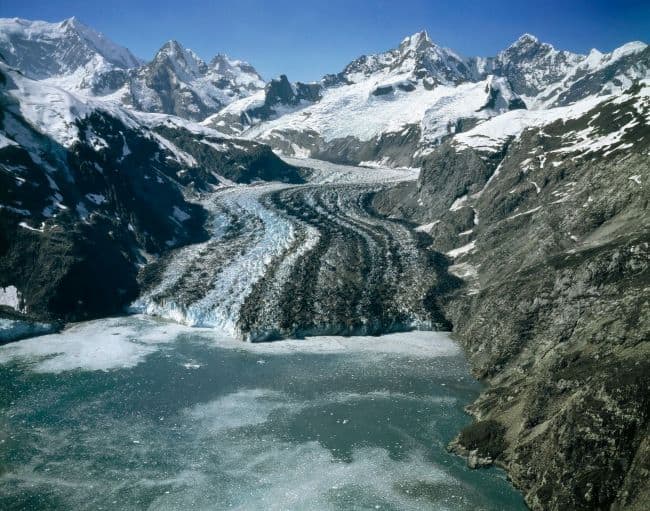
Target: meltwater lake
{"points": [[133, 413]]}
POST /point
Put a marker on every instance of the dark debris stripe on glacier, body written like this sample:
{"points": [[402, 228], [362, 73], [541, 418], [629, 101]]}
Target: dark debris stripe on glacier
{"points": [[295, 260]]}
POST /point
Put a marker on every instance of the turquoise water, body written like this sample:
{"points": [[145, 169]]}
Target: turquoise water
{"points": [[133, 414]]}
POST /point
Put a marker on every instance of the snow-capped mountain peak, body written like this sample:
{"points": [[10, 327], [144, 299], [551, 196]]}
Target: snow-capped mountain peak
{"points": [[526, 46], [185, 62], [629, 49], [547, 76], [174, 49], [415, 41], [115, 54], [177, 81], [70, 22], [189, 66], [42, 50], [239, 71], [531, 65], [426, 60], [416, 58], [526, 39]]}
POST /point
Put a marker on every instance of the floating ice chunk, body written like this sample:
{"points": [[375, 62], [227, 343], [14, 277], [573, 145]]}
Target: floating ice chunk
{"points": [[94, 346], [242, 408]]}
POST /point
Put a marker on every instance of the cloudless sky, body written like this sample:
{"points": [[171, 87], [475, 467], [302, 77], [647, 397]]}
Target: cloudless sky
{"points": [[306, 39]]}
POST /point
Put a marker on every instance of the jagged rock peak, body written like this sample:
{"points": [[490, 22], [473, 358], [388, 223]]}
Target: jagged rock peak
{"points": [[416, 41], [222, 59], [172, 45], [174, 49], [526, 39], [240, 71], [182, 59]]}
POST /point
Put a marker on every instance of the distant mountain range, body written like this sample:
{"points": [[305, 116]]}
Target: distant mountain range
{"points": [[393, 108], [390, 107], [77, 58]]}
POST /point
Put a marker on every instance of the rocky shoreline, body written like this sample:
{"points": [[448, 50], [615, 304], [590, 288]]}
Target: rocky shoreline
{"points": [[554, 314]]}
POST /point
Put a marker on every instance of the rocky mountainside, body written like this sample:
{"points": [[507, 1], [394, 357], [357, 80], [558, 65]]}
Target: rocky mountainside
{"points": [[549, 228], [42, 50], [92, 192], [75, 57], [417, 55], [392, 108], [546, 77], [278, 97], [178, 82]]}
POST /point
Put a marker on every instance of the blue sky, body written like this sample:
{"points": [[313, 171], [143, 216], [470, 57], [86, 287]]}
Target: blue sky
{"points": [[306, 39]]}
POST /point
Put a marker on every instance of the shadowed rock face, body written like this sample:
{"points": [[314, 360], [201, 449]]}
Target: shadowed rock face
{"points": [[73, 246], [280, 92], [79, 221], [178, 82], [554, 312]]}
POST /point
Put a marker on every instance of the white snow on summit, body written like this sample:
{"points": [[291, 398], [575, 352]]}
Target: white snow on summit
{"points": [[77, 58], [417, 89], [42, 50]]}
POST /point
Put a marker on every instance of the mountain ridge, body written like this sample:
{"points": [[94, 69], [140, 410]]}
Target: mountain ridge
{"points": [[163, 84], [88, 62], [419, 83]]}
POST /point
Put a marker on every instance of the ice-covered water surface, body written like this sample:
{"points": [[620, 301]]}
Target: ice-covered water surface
{"points": [[133, 413]]}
